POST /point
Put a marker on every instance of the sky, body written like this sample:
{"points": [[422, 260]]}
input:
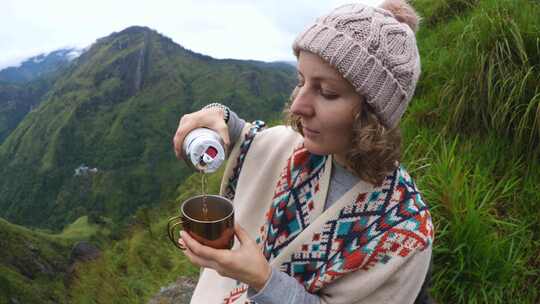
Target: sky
{"points": [[241, 29]]}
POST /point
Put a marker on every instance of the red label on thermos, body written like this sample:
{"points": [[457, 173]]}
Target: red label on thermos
{"points": [[211, 151]]}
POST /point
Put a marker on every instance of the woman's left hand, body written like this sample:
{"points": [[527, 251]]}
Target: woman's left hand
{"points": [[246, 263]]}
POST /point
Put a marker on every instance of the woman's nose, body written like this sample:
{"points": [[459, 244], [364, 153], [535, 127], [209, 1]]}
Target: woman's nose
{"points": [[302, 104]]}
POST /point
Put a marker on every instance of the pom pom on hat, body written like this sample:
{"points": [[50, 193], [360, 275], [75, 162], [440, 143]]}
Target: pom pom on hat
{"points": [[403, 12]]}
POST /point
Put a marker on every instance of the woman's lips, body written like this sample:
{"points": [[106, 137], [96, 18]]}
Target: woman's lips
{"points": [[309, 132]]}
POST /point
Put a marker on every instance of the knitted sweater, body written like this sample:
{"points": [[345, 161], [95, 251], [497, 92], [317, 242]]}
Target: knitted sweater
{"points": [[371, 246]]}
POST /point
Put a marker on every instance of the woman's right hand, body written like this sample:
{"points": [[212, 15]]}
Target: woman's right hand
{"points": [[211, 118]]}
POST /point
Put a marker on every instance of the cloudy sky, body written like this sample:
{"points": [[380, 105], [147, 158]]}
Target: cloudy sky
{"points": [[242, 29]]}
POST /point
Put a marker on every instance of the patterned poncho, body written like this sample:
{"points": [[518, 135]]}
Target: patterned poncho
{"points": [[368, 228]]}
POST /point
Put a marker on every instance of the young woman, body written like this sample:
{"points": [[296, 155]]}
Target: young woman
{"points": [[325, 212]]}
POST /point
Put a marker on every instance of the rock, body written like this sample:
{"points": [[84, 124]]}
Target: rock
{"points": [[31, 246], [32, 263], [178, 292], [83, 252]]}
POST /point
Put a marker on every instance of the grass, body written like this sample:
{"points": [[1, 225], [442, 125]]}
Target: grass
{"points": [[471, 142], [31, 265], [492, 78], [486, 248], [81, 229]]}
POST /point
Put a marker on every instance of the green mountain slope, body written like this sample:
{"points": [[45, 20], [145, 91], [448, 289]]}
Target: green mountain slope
{"points": [[115, 109], [32, 266], [17, 100], [40, 267], [23, 88], [472, 136]]}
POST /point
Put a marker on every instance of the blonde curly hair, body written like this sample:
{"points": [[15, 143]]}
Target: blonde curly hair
{"points": [[376, 150]]}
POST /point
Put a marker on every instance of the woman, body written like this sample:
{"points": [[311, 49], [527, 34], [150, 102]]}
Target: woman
{"points": [[325, 214]]}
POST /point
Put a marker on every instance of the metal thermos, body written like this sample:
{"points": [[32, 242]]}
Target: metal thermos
{"points": [[204, 150]]}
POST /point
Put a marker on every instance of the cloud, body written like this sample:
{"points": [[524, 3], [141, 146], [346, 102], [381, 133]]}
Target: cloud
{"points": [[242, 29]]}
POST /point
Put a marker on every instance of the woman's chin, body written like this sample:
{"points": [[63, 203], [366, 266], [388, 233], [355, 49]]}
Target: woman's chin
{"points": [[314, 148]]}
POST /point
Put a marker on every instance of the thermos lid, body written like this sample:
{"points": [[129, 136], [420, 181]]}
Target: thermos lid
{"points": [[204, 149]]}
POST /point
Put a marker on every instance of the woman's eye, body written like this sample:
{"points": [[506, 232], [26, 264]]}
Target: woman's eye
{"points": [[329, 95]]}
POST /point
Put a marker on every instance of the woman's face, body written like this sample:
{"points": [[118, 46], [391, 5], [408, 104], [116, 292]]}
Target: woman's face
{"points": [[326, 104]]}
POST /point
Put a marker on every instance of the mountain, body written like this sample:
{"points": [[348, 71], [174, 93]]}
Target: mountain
{"points": [[40, 267], [17, 100], [38, 66], [115, 109], [32, 266], [22, 88], [83, 265]]}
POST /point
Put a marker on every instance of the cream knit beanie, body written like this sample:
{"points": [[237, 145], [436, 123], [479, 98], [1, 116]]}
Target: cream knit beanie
{"points": [[374, 48]]}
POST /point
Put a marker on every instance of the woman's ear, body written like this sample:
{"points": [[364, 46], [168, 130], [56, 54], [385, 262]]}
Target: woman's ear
{"points": [[361, 106]]}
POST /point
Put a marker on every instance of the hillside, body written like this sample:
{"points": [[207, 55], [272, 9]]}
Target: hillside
{"points": [[115, 109], [34, 265], [17, 100], [22, 88], [83, 264], [472, 142]]}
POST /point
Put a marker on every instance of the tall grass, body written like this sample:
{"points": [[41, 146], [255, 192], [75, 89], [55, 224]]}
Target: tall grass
{"points": [[442, 10], [473, 135], [483, 252], [493, 81]]}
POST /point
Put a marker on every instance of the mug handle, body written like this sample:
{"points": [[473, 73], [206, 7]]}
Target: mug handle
{"points": [[172, 225]]}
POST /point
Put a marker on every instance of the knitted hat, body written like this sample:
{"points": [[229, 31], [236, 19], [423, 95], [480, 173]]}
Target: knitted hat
{"points": [[374, 49]]}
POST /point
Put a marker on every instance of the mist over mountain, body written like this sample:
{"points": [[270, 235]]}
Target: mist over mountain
{"points": [[115, 108], [38, 66]]}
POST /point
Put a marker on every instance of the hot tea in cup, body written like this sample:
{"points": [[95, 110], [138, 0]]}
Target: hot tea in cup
{"points": [[209, 219]]}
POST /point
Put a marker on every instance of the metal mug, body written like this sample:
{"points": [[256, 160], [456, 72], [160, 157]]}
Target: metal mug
{"points": [[216, 230]]}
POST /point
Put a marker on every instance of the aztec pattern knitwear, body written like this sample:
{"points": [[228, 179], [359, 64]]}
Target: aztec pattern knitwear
{"points": [[370, 48], [293, 202], [392, 221]]}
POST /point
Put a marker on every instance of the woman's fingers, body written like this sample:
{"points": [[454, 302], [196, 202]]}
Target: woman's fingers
{"points": [[193, 258], [186, 124], [242, 235], [245, 263], [199, 249], [202, 118], [223, 131], [204, 256]]}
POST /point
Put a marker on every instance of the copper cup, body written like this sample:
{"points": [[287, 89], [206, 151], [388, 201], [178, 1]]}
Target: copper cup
{"points": [[214, 228]]}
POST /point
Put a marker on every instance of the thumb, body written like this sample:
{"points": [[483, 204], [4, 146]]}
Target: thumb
{"points": [[224, 133], [241, 234]]}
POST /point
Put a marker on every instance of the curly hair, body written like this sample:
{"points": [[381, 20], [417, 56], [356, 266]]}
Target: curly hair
{"points": [[376, 150]]}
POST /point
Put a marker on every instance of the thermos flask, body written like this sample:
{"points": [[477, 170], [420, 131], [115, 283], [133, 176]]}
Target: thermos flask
{"points": [[204, 150]]}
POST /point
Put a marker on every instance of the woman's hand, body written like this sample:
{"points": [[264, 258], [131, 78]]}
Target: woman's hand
{"points": [[211, 118], [246, 263]]}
